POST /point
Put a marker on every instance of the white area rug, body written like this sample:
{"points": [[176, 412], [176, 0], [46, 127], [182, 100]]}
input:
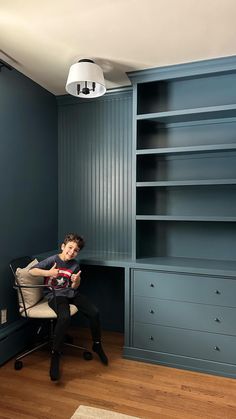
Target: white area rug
{"points": [[87, 412]]}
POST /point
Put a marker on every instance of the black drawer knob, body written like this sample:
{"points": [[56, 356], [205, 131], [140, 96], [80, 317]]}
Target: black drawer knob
{"points": [[151, 338], [217, 320], [151, 311], [217, 292], [216, 348], [152, 285]]}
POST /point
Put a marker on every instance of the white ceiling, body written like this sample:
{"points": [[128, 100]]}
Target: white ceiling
{"points": [[43, 38]]}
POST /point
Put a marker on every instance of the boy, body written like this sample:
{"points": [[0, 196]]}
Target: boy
{"points": [[63, 272]]}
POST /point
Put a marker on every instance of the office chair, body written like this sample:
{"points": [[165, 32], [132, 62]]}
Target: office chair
{"points": [[32, 305]]}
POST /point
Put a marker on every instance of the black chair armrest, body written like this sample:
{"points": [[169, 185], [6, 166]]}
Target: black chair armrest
{"points": [[34, 286]]}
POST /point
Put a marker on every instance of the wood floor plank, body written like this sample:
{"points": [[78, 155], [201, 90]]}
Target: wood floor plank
{"points": [[130, 387]]}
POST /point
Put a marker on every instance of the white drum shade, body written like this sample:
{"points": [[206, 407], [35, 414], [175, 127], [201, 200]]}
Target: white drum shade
{"points": [[85, 73]]}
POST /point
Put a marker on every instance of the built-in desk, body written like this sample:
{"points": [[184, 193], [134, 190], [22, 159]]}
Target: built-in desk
{"points": [[113, 270]]}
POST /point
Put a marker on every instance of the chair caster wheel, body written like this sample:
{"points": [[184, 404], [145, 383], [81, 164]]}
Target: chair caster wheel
{"points": [[87, 355], [18, 365]]}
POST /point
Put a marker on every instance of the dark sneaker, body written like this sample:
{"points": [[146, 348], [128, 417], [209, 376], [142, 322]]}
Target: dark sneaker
{"points": [[54, 366], [97, 347]]}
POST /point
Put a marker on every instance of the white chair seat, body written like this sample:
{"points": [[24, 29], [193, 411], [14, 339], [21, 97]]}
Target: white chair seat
{"points": [[42, 311]]}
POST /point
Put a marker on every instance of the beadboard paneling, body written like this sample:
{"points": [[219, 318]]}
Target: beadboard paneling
{"points": [[95, 146]]}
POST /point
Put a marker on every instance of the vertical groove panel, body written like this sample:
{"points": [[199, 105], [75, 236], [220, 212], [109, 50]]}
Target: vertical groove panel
{"points": [[95, 155]]}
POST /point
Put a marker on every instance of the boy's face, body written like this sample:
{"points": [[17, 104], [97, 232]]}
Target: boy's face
{"points": [[69, 250]]}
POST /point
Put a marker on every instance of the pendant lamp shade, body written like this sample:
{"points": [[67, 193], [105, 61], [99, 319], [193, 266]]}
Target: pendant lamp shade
{"points": [[85, 80]]}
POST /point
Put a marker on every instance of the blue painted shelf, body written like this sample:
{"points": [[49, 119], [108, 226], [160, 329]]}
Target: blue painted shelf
{"points": [[188, 150], [201, 182], [196, 114], [184, 218]]}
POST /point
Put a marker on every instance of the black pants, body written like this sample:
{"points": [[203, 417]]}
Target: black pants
{"points": [[61, 307]]}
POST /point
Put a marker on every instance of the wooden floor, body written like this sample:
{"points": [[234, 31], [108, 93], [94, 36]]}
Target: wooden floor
{"points": [[130, 387]]}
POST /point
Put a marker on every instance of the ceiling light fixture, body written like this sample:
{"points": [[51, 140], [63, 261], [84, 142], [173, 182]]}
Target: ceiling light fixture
{"points": [[85, 80]]}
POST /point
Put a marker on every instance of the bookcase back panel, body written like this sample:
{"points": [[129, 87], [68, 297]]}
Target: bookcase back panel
{"points": [[196, 167], [186, 93], [186, 240], [151, 134], [186, 201]]}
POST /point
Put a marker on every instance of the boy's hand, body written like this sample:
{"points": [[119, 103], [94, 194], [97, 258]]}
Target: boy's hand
{"points": [[75, 279], [53, 272]]}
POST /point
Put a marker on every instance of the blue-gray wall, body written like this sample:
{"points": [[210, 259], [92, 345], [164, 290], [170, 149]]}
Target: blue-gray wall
{"points": [[90, 174], [28, 174], [95, 157]]}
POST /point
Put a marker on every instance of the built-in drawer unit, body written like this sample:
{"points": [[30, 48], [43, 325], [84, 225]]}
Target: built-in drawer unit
{"points": [[179, 315]]}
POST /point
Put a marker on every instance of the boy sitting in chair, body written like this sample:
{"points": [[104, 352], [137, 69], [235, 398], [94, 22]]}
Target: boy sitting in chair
{"points": [[63, 272]]}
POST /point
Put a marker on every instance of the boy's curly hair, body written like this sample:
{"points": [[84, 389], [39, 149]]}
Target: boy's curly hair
{"points": [[72, 237]]}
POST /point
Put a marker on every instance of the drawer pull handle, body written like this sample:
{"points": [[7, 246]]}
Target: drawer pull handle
{"points": [[217, 320], [217, 292], [151, 338], [151, 311], [152, 285], [216, 348]]}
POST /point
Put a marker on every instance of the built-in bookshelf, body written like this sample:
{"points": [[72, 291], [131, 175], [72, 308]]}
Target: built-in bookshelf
{"points": [[180, 310], [185, 163]]}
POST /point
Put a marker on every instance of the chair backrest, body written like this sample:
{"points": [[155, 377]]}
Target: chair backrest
{"points": [[20, 262], [28, 290]]}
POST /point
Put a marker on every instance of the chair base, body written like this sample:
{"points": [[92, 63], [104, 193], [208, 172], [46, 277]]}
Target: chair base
{"points": [[18, 365], [87, 355]]}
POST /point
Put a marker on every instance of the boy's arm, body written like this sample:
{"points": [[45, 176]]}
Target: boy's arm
{"points": [[53, 271]]}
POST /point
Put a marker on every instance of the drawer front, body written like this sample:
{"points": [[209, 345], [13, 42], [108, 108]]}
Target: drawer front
{"points": [[201, 345], [215, 319], [185, 287]]}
